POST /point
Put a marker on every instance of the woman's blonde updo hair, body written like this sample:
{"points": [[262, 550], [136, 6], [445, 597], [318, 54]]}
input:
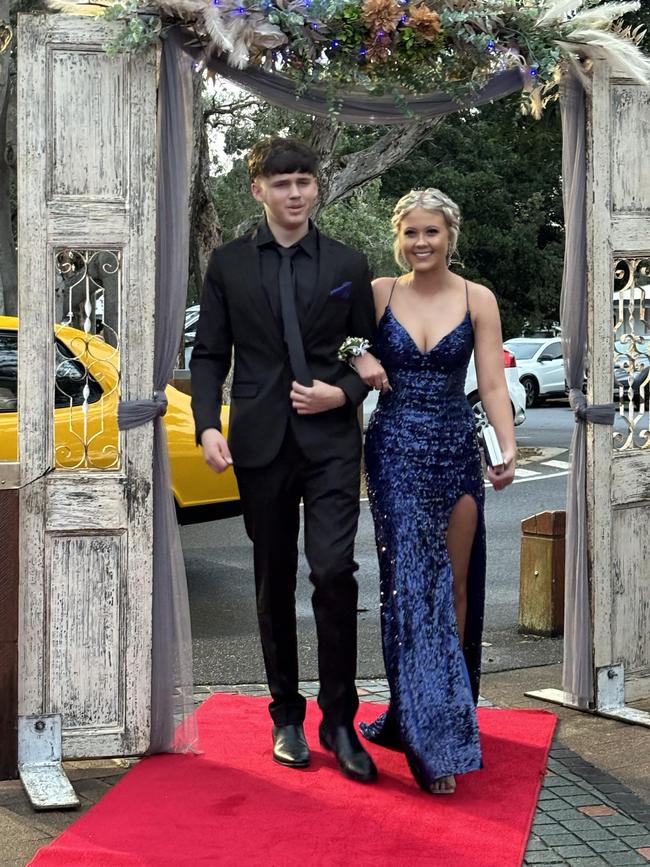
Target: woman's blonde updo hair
{"points": [[429, 200]]}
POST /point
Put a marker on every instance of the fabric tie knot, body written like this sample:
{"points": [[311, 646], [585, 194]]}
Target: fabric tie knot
{"points": [[160, 399], [599, 413], [133, 413]]}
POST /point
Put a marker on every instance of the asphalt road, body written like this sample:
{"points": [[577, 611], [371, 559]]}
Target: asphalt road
{"points": [[550, 425], [219, 565]]}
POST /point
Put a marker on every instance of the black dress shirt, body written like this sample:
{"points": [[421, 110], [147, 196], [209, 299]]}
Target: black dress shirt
{"points": [[305, 268]]}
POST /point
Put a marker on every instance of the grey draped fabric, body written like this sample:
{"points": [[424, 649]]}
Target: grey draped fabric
{"points": [[350, 107], [172, 725], [577, 676], [599, 413]]}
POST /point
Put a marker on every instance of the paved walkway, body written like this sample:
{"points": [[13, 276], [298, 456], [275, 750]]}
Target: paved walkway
{"points": [[594, 807]]}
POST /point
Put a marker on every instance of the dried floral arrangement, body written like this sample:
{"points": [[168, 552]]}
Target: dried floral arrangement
{"points": [[400, 46]]}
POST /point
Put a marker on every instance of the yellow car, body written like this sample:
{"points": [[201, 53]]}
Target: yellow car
{"points": [[85, 421]]}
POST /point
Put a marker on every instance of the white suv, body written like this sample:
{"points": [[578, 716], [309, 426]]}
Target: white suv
{"points": [[541, 367], [515, 389]]}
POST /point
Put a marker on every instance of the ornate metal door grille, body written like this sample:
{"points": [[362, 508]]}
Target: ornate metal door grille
{"points": [[632, 352], [87, 359]]}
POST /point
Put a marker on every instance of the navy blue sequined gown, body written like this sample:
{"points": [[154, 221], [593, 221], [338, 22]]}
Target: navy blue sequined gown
{"points": [[421, 456]]}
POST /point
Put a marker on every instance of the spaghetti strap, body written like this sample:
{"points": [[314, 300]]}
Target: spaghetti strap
{"points": [[392, 289], [466, 297]]}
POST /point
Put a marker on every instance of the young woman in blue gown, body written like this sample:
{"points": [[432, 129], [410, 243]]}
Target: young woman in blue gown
{"points": [[426, 489]]}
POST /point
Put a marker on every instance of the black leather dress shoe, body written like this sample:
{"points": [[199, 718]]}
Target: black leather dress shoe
{"points": [[290, 746], [353, 760]]}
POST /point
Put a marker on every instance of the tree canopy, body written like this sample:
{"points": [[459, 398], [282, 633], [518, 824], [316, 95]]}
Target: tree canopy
{"points": [[503, 171]]}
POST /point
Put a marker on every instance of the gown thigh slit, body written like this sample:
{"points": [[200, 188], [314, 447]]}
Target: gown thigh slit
{"points": [[422, 457], [461, 530]]}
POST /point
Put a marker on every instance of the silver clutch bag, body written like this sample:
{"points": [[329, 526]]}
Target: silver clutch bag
{"points": [[490, 443]]}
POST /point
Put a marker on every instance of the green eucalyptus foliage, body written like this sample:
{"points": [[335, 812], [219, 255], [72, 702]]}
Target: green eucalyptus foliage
{"points": [[387, 49], [140, 30]]}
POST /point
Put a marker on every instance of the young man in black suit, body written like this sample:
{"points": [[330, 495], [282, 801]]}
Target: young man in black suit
{"points": [[285, 298]]}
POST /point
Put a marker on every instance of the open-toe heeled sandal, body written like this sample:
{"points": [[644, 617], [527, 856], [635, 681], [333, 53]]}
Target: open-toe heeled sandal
{"points": [[444, 791]]}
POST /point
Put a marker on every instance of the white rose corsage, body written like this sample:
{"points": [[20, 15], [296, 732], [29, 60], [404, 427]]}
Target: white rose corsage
{"points": [[353, 347]]}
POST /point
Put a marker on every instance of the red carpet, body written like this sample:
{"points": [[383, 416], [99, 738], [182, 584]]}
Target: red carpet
{"points": [[233, 806]]}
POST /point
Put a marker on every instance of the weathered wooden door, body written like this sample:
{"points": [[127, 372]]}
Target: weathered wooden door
{"points": [[618, 461], [87, 166]]}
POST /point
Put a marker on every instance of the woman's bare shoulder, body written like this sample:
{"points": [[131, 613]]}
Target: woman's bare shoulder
{"points": [[381, 289], [382, 284], [480, 297]]}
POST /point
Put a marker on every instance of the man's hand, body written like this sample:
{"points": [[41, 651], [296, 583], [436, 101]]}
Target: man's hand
{"points": [[371, 371], [319, 398], [215, 450]]}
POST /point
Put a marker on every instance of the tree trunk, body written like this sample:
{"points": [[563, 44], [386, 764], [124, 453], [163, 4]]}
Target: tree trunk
{"points": [[8, 275], [324, 135], [205, 230], [338, 178], [356, 169]]}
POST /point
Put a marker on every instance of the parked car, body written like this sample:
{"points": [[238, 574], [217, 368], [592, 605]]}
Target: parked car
{"points": [[189, 331], [640, 385], [192, 317], [541, 367], [200, 493], [515, 390]]}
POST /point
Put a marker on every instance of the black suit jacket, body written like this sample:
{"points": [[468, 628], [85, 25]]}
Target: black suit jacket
{"points": [[236, 312]]}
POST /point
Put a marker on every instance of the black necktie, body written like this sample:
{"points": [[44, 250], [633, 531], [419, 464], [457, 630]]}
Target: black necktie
{"points": [[292, 335]]}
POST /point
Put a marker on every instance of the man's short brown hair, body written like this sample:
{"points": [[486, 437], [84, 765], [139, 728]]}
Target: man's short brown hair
{"points": [[279, 156]]}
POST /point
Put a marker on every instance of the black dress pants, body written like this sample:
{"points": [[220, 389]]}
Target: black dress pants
{"points": [[270, 499]]}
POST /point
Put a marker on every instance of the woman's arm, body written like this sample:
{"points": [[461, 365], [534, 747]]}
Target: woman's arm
{"points": [[367, 366], [492, 387], [371, 371]]}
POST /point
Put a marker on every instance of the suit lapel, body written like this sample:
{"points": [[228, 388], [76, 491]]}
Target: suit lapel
{"points": [[326, 273], [248, 266]]}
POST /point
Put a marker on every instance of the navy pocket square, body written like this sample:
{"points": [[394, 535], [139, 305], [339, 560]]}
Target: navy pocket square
{"points": [[342, 291]]}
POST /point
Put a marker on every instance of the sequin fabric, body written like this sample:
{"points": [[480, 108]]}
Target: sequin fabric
{"points": [[421, 456]]}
